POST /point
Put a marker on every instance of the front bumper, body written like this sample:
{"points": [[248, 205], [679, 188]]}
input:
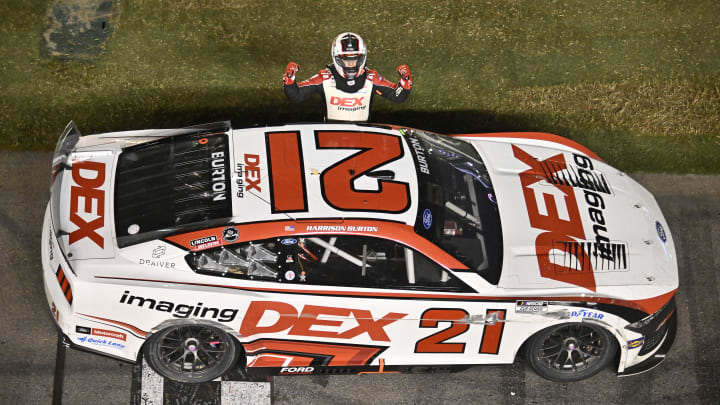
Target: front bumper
{"points": [[656, 358]]}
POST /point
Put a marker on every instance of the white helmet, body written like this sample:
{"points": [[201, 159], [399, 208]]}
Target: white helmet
{"points": [[349, 54]]}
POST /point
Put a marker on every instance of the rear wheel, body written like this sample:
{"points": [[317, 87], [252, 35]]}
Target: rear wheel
{"points": [[571, 351], [191, 353]]}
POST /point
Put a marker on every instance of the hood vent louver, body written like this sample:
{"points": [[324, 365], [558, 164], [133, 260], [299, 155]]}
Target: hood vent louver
{"points": [[602, 256]]}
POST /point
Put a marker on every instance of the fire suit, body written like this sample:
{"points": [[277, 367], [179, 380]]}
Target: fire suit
{"points": [[346, 100]]}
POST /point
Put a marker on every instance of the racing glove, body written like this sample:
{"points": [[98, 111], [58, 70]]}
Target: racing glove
{"points": [[405, 77], [290, 70]]}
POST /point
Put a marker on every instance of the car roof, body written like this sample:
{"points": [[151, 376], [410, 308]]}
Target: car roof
{"points": [[315, 171]]}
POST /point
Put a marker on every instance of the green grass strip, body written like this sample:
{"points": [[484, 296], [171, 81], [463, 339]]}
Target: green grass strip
{"points": [[636, 81]]}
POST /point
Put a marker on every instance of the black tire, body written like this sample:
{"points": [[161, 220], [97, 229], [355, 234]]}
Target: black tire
{"points": [[571, 351], [191, 353]]}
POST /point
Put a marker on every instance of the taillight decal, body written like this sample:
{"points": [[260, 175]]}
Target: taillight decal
{"points": [[64, 284]]}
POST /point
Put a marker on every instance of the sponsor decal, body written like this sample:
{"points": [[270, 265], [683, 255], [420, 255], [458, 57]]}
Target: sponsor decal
{"points": [[163, 264], [100, 342], [587, 314], [109, 334], [230, 234], [427, 219], [660, 231], [341, 228], [349, 104], [297, 370], [252, 172], [179, 310], [240, 180], [419, 154], [347, 101], [531, 306], [55, 311], [288, 353], [218, 176], [339, 323], [205, 242], [553, 210], [87, 201], [50, 245], [635, 343], [289, 275], [289, 228], [83, 329], [248, 175], [158, 252], [288, 241]]}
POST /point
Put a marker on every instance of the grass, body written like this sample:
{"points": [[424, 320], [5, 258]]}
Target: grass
{"points": [[636, 81]]}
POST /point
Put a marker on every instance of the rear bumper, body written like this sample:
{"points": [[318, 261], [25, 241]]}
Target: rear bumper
{"points": [[657, 357]]}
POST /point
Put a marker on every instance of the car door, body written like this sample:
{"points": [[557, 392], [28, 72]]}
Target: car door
{"points": [[369, 299]]}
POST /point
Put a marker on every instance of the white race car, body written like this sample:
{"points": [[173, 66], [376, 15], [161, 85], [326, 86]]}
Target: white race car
{"points": [[338, 248]]}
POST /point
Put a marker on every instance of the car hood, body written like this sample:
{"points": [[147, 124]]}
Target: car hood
{"points": [[570, 220]]}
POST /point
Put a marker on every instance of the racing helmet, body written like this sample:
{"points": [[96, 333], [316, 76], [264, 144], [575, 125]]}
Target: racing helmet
{"points": [[349, 54]]}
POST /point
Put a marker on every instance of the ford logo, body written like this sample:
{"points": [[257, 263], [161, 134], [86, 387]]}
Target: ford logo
{"points": [[288, 241], [427, 218], [661, 231]]}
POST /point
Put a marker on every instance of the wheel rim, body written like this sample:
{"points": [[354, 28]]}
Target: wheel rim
{"points": [[572, 348], [193, 350]]}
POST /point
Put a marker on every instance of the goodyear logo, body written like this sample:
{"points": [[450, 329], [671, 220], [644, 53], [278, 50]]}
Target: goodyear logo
{"points": [[633, 344]]}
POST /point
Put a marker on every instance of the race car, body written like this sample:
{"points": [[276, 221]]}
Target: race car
{"points": [[347, 249]]}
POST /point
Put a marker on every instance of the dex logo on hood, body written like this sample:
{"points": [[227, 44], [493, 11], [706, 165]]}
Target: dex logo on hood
{"points": [[552, 209]]}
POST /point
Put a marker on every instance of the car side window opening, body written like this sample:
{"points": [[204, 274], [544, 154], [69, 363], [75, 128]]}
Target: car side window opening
{"points": [[339, 260], [458, 206]]}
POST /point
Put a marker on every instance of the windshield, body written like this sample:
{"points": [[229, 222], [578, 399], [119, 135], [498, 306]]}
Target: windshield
{"points": [[458, 207]]}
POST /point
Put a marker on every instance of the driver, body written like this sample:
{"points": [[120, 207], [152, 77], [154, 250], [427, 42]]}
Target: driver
{"points": [[346, 85]]}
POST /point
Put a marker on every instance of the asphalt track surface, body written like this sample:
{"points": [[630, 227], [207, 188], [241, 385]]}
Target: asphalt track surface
{"points": [[691, 373]]}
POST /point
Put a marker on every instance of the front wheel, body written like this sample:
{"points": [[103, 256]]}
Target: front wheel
{"points": [[571, 351], [191, 353]]}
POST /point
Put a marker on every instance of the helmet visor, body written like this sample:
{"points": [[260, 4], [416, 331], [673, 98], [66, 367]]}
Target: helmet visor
{"points": [[351, 63]]}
